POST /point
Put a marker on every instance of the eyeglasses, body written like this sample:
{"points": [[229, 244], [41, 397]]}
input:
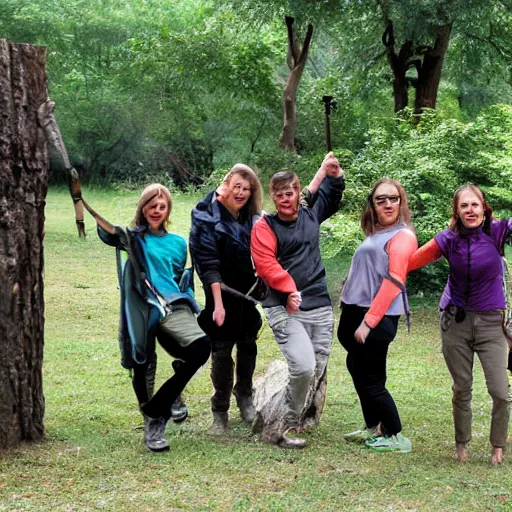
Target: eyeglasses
{"points": [[382, 200]]}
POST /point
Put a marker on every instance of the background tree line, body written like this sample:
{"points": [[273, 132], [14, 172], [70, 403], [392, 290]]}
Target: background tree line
{"points": [[179, 90]]}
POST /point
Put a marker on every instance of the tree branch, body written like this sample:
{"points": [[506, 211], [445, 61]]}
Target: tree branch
{"points": [[305, 45], [487, 40], [292, 47]]}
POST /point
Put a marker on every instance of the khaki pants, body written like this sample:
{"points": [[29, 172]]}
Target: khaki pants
{"points": [[480, 333]]}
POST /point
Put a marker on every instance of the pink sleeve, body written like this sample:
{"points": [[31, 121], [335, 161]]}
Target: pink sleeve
{"points": [[426, 254], [399, 248], [264, 255]]}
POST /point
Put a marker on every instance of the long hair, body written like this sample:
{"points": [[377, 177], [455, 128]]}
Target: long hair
{"points": [[153, 191], [455, 221], [369, 220], [253, 205]]}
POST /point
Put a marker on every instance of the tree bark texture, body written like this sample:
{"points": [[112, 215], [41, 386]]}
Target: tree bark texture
{"points": [[270, 400], [23, 186], [429, 74], [296, 60]]}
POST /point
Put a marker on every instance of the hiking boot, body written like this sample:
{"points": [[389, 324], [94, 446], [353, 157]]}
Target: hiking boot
{"points": [[179, 411], [290, 442], [220, 424], [361, 436], [247, 409], [154, 430], [397, 443]]}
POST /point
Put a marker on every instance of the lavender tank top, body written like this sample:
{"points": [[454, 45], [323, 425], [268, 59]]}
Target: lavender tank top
{"points": [[369, 267]]}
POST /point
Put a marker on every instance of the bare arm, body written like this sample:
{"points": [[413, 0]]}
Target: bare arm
{"points": [[103, 223]]}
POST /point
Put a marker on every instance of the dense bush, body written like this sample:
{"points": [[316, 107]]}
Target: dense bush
{"points": [[431, 157]]}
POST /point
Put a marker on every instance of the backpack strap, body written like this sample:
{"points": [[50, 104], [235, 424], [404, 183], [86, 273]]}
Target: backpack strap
{"points": [[405, 299]]}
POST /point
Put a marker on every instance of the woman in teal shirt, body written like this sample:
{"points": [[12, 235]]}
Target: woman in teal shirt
{"points": [[157, 302]]}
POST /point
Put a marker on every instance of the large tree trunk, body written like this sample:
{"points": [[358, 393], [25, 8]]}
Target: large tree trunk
{"points": [[429, 74], [296, 60], [23, 187]]}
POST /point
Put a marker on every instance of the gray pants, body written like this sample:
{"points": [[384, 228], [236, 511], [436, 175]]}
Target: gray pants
{"points": [[305, 339], [480, 333]]}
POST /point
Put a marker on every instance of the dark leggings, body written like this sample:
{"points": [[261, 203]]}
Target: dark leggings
{"points": [[366, 363], [191, 359]]}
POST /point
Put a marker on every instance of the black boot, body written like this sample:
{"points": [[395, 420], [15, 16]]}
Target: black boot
{"points": [[247, 409], [154, 430], [179, 410]]}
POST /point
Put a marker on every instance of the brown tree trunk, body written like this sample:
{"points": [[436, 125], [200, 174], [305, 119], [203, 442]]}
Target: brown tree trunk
{"points": [[429, 74], [399, 64], [296, 60], [23, 187]]}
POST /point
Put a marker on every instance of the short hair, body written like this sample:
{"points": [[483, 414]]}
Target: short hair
{"points": [[151, 192], [254, 204], [283, 179], [369, 218], [455, 221]]}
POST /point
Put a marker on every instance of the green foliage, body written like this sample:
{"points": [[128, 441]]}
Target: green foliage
{"points": [[431, 157], [93, 456]]}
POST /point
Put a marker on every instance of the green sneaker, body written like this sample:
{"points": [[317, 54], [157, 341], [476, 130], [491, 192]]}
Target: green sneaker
{"points": [[361, 436], [397, 443]]}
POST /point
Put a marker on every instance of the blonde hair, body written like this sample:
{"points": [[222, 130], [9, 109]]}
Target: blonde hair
{"points": [[153, 191], [369, 220], [254, 204]]}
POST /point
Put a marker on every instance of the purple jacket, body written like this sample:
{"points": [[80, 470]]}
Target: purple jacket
{"points": [[476, 268]]}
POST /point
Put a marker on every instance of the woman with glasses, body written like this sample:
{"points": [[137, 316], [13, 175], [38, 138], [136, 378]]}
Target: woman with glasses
{"points": [[472, 307], [372, 300]]}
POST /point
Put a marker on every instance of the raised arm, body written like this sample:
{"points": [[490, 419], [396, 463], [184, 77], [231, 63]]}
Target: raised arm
{"points": [[102, 222], [329, 167], [323, 194]]}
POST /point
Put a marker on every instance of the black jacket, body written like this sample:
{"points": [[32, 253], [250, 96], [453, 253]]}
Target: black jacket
{"points": [[220, 248]]}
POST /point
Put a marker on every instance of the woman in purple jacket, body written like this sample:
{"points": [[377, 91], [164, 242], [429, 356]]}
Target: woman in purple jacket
{"points": [[472, 307]]}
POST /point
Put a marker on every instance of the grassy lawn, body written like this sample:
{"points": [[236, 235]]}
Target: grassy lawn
{"points": [[93, 456]]}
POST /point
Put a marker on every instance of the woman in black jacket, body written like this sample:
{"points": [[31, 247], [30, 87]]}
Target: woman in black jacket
{"points": [[220, 248]]}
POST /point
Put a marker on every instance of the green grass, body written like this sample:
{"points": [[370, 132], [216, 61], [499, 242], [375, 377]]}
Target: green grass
{"points": [[93, 456]]}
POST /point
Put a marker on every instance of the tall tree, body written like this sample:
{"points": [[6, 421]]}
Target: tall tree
{"points": [[23, 186], [296, 59], [426, 34]]}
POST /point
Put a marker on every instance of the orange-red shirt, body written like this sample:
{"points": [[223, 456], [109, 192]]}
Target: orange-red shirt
{"points": [[399, 249]]}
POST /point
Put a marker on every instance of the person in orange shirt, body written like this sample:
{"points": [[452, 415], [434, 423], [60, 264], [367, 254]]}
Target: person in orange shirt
{"points": [[372, 300], [285, 247]]}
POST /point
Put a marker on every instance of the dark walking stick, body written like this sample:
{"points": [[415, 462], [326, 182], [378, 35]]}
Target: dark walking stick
{"points": [[329, 105]]}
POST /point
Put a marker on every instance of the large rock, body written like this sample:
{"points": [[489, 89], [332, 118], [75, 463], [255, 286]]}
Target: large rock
{"points": [[271, 404]]}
